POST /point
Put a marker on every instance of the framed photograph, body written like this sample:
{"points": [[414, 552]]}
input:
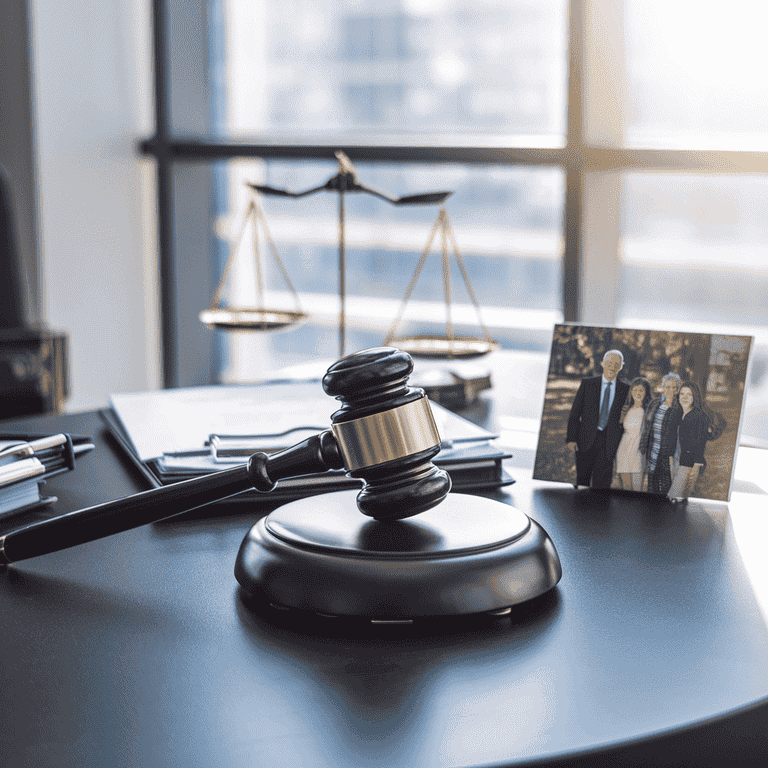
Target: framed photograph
{"points": [[654, 412]]}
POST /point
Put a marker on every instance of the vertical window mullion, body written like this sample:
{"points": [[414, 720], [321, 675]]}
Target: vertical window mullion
{"points": [[597, 117], [572, 220], [183, 108], [163, 162]]}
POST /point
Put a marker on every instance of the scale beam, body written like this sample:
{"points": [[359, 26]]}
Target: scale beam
{"points": [[345, 181]]}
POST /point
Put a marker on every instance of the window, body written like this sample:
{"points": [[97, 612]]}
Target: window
{"points": [[375, 37], [507, 222], [606, 167], [696, 74], [404, 66], [695, 249]]}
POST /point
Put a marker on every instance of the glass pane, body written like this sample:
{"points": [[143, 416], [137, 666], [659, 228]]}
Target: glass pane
{"points": [[695, 256], [506, 224], [695, 248], [696, 74], [493, 67]]}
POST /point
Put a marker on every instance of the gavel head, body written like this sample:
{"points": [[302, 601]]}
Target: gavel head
{"points": [[386, 434]]}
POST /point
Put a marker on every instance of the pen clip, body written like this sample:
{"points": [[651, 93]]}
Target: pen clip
{"points": [[32, 446], [20, 449]]}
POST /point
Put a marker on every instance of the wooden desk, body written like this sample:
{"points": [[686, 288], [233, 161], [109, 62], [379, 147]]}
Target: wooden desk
{"points": [[137, 650]]}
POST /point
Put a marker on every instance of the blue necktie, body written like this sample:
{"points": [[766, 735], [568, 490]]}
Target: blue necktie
{"points": [[604, 407]]}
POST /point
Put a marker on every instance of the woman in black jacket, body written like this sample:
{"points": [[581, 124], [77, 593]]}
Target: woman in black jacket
{"points": [[692, 436]]}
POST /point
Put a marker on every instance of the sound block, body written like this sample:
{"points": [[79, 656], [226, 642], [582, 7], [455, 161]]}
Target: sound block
{"points": [[467, 555]]}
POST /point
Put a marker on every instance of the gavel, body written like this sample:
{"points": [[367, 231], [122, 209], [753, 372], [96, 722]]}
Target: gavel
{"points": [[384, 434]]}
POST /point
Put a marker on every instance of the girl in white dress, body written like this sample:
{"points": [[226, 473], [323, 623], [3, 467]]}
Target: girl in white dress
{"points": [[630, 463]]}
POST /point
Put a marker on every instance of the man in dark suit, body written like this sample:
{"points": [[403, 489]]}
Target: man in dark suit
{"points": [[594, 431]]}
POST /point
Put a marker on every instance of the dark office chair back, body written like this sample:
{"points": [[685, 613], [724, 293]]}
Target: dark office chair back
{"points": [[33, 368], [11, 286]]}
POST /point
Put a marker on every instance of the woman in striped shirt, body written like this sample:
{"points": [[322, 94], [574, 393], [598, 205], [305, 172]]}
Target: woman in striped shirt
{"points": [[658, 441]]}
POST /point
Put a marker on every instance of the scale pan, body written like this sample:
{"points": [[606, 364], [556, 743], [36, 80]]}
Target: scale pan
{"points": [[250, 319], [443, 347]]}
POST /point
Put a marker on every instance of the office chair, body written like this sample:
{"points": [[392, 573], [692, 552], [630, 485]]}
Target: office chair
{"points": [[33, 370]]}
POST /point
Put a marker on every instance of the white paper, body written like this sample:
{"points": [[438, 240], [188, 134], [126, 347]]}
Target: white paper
{"points": [[180, 420]]}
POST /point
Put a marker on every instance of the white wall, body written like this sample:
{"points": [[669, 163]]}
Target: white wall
{"points": [[91, 64]]}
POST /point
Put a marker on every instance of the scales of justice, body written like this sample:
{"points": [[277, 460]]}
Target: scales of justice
{"points": [[345, 181], [401, 549]]}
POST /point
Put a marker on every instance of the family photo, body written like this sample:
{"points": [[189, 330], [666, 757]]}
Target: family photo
{"points": [[646, 411]]}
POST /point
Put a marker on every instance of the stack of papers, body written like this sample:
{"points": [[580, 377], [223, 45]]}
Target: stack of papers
{"points": [[177, 434]]}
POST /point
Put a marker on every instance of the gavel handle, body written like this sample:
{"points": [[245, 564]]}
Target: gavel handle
{"points": [[315, 454]]}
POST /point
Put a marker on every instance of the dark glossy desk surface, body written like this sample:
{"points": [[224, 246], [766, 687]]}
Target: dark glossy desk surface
{"points": [[138, 651]]}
